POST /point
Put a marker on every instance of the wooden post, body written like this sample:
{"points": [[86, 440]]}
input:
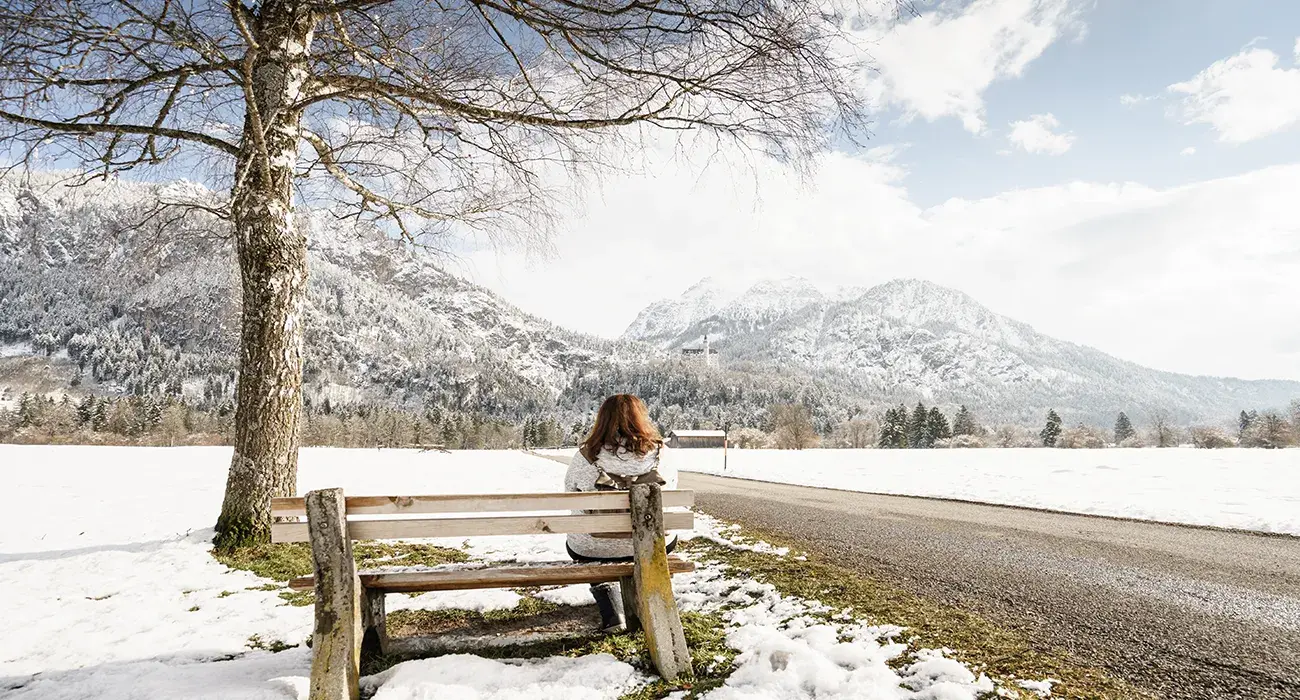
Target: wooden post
{"points": [[627, 589], [374, 639], [654, 587], [336, 640]]}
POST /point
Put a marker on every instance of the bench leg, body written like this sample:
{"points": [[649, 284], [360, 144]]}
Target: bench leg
{"points": [[654, 587], [627, 589], [336, 639], [374, 639]]}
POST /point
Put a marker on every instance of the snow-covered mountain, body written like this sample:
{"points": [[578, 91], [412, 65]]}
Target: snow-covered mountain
{"points": [[133, 302], [914, 339], [100, 293]]}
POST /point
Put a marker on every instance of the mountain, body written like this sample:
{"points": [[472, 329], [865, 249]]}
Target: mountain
{"points": [[118, 299], [103, 292], [909, 340]]}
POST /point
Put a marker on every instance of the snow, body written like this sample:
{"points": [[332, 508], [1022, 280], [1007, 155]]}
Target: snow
{"points": [[16, 349], [1042, 689], [1232, 488], [105, 566]]}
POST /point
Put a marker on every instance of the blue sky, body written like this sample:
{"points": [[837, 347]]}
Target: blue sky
{"points": [[1129, 47], [1162, 228]]}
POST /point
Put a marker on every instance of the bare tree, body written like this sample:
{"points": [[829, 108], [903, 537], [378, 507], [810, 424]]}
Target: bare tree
{"points": [[858, 433], [435, 116], [1162, 430], [792, 427]]}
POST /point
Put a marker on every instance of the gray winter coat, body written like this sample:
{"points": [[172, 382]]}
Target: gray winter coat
{"points": [[582, 477]]}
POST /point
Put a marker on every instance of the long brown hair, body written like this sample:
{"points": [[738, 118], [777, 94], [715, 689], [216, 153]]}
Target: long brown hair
{"points": [[621, 423]]}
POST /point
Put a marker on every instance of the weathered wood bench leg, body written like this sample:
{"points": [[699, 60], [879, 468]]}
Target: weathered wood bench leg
{"points": [[336, 639], [654, 587], [374, 640], [627, 590]]}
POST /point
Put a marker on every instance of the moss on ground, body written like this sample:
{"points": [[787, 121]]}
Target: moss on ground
{"points": [[281, 562], [711, 658], [278, 562], [403, 623], [1001, 653]]}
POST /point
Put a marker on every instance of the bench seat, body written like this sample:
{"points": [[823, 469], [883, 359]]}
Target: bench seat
{"points": [[549, 574]]}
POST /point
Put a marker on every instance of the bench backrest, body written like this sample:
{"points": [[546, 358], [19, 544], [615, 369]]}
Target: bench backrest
{"points": [[370, 527]]}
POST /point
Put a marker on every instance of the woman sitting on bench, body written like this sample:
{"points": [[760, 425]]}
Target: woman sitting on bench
{"points": [[623, 449]]}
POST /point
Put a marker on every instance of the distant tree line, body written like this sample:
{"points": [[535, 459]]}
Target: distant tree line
{"points": [[172, 419], [169, 420]]}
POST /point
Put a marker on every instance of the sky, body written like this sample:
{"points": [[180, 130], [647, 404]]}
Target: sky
{"points": [[1117, 173]]}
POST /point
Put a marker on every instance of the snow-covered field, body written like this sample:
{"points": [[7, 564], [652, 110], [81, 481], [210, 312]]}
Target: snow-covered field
{"points": [[1243, 489], [107, 590]]}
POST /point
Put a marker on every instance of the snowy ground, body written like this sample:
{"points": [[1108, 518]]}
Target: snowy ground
{"points": [[108, 591], [1243, 489]]}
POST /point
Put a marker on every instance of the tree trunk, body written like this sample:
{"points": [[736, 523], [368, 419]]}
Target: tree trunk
{"points": [[272, 255]]}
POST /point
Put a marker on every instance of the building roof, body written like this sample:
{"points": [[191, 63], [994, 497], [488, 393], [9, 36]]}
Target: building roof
{"points": [[697, 433]]}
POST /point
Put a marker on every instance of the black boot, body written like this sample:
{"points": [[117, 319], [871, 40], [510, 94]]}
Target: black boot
{"points": [[609, 600]]}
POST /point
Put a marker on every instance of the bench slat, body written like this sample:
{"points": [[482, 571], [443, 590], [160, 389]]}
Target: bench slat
{"points": [[472, 527], [496, 577], [481, 503]]}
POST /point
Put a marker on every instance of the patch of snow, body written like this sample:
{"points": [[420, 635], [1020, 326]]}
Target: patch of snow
{"points": [[577, 594], [476, 600], [16, 349], [593, 677], [1042, 689], [1242, 489]]}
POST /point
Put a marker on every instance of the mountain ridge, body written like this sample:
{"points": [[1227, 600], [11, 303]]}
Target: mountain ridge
{"points": [[95, 294], [941, 342]]}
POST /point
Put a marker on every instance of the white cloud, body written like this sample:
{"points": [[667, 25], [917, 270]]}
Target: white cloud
{"points": [[1189, 151], [1036, 135], [1129, 99], [1189, 279], [940, 63], [1243, 97]]}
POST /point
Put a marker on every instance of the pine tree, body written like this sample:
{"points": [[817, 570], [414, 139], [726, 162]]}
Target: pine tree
{"points": [[1052, 430], [151, 413], [1243, 424], [964, 422], [86, 410], [1123, 428], [918, 428], [893, 429], [99, 422], [938, 426], [530, 432], [29, 410], [449, 434]]}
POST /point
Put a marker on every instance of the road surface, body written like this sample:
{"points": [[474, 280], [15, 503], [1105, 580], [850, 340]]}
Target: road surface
{"points": [[1184, 612]]}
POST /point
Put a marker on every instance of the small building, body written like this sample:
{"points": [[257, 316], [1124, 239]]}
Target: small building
{"points": [[709, 353], [697, 438]]}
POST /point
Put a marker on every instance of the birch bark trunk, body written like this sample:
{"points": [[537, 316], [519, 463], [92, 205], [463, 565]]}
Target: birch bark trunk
{"points": [[272, 253]]}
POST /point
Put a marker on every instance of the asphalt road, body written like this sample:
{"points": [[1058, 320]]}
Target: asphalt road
{"points": [[1183, 612]]}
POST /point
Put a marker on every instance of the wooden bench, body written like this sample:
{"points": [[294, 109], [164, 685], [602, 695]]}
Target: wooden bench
{"points": [[350, 604]]}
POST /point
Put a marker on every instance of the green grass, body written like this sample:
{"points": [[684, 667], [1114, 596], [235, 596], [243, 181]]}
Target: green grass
{"points": [[281, 562], [1001, 653], [713, 661], [298, 599], [402, 623], [274, 646]]}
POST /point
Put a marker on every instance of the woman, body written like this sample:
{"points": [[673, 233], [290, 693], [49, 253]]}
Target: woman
{"points": [[623, 448]]}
